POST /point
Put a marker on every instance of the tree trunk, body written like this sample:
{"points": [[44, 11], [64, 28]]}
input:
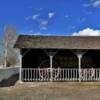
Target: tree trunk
{"points": [[5, 58]]}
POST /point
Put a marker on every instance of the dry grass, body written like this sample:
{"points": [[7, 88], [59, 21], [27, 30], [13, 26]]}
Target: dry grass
{"points": [[51, 91]]}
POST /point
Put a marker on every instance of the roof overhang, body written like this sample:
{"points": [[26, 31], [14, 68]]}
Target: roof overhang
{"points": [[58, 42]]}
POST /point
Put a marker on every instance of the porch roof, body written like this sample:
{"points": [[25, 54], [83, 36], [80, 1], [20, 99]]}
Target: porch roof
{"points": [[58, 42]]}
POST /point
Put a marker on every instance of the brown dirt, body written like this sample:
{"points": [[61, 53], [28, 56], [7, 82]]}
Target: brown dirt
{"points": [[51, 91]]}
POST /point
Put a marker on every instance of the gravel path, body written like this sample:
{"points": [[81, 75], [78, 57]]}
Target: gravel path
{"points": [[51, 91]]}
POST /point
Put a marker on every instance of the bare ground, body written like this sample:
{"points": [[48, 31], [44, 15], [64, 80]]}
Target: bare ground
{"points": [[51, 91]]}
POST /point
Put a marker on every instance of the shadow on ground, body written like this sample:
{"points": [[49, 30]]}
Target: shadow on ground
{"points": [[10, 81]]}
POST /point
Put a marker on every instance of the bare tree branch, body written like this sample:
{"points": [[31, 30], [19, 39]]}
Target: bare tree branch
{"points": [[10, 54]]}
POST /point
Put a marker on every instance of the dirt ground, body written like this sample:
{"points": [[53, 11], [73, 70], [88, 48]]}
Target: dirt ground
{"points": [[51, 91]]}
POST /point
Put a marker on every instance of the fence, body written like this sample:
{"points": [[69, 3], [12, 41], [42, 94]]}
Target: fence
{"points": [[60, 74]]}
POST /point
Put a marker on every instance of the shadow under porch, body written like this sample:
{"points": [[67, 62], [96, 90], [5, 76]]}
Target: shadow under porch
{"points": [[36, 65]]}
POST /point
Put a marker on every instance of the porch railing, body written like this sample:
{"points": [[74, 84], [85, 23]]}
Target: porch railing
{"points": [[60, 74]]}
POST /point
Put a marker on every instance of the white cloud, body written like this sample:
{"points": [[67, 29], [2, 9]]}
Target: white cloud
{"points": [[96, 3], [34, 17], [51, 14], [93, 3], [87, 32], [43, 24]]}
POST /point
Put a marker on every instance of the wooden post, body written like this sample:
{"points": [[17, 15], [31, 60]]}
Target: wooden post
{"points": [[51, 79], [79, 65], [20, 69], [51, 54], [79, 55]]}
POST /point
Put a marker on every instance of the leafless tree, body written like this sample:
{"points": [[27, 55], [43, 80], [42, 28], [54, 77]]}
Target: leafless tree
{"points": [[1, 53], [10, 54]]}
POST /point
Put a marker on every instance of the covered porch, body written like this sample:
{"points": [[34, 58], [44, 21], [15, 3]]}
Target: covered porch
{"points": [[59, 58], [60, 65]]}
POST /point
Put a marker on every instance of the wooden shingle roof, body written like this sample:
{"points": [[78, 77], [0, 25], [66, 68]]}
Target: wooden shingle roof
{"points": [[58, 42]]}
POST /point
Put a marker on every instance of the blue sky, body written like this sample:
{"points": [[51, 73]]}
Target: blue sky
{"points": [[59, 17]]}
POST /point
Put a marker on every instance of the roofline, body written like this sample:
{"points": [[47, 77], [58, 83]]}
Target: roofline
{"points": [[44, 35]]}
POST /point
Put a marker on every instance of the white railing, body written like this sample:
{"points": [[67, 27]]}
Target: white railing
{"points": [[90, 74], [60, 74]]}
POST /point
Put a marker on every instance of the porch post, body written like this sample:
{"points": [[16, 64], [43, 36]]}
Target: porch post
{"points": [[20, 69], [51, 54], [79, 65], [51, 79]]}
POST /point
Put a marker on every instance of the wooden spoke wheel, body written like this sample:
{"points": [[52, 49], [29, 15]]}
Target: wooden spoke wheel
{"points": [[45, 71]]}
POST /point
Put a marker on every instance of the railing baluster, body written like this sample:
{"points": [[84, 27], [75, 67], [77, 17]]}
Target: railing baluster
{"points": [[60, 75], [99, 74], [85, 74], [68, 74], [77, 74], [45, 78], [31, 74], [65, 74], [28, 74], [89, 74], [22, 73], [25, 74], [36, 74], [73, 74], [96, 74], [55, 73]]}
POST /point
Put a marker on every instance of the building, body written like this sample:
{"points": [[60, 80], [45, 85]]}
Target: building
{"points": [[59, 58]]}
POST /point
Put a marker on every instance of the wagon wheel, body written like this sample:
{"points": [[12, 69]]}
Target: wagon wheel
{"points": [[45, 70], [55, 72], [44, 73], [85, 73]]}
